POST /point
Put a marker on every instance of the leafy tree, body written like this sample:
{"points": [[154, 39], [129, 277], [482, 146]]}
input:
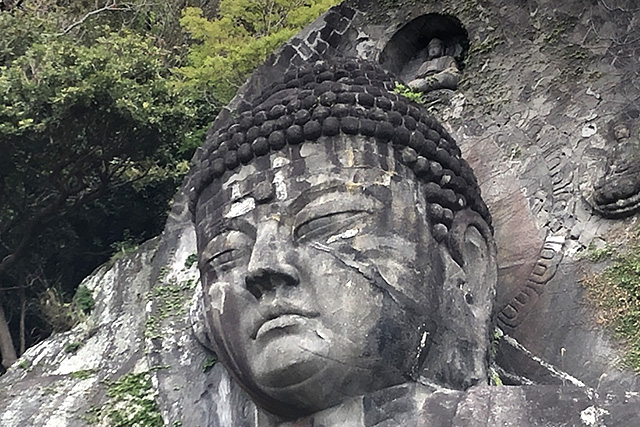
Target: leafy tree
{"points": [[246, 31], [76, 122]]}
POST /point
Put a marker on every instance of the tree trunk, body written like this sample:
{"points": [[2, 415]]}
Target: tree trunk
{"points": [[23, 311], [6, 343], [210, 8]]}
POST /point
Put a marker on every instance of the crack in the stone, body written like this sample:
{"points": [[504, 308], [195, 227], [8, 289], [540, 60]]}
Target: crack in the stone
{"points": [[553, 371], [373, 275], [341, 362]]}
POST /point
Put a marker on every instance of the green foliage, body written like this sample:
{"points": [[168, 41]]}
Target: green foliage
{"points": [[597, 254], [494, 377], [209, 363], [18, 34], [230, 47], [616, 294], [495, 341], [72, 347], [133, 402], [83, 300], [407, 92], [124, 247], [170, 300], [86, 115], [191, 259], [75, 119], [83, 374], [95, 138], [62, 315]]}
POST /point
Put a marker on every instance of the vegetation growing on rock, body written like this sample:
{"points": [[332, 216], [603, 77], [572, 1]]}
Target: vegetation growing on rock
{"points": [[131, 403], [615, 294]]}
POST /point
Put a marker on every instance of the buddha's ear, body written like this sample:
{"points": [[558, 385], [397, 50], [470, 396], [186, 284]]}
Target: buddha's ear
{"points": [[465, 304], [471, 244]]}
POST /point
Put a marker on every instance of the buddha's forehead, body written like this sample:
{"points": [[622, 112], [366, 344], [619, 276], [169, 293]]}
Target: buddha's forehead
{"points": [[347, 159], [284, 177]]}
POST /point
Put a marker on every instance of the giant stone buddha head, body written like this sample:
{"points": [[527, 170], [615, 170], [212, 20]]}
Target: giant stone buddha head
{"points": [[343, 244]]}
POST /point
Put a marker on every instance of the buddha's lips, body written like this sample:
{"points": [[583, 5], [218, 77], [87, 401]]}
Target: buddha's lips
{"points": [[281, 322], [278, 319]]}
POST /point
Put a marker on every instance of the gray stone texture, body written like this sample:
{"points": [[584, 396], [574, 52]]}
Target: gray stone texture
{"points": [[53, 386], [544, 82]]}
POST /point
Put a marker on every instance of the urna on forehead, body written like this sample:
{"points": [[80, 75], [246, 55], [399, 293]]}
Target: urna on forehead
{"points": [[332, 101]]}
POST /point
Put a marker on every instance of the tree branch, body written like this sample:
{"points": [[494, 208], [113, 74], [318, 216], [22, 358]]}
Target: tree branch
{"points": [[23, 314], [109, 7], [7, 348], [29, 232]]}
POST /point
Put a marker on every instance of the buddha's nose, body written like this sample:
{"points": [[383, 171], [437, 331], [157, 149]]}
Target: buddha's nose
{"points": [[271, 266]]}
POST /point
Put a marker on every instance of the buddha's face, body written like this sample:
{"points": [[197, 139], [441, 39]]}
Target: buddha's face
{"points": [[319, 272], [435, 48]]}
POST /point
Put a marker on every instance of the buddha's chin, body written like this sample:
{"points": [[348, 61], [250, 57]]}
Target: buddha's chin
{"points": [[290, 376], [288, 357], [297, 387], [288, 369]]}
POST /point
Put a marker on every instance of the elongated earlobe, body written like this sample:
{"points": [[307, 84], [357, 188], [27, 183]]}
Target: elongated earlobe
{"points": [[463, 242], [460, 355]]}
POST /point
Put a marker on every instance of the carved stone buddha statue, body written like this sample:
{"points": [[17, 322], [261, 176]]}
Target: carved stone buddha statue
{"points": [[343, 245], [438, 71], [617, 193]]}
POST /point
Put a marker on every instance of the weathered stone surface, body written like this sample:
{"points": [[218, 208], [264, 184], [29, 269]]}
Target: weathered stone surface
{"points": [[522, 406], [358, 271], [54, 385], [533, 137], [542, 84], [616, 184]]}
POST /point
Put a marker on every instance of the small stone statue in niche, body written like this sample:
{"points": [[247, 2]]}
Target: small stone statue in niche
{"points": [[617, 193], [438, 71], [346, 255]]}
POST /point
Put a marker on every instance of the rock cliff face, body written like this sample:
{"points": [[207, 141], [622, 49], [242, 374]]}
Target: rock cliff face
{"points": [[64, 380], [544, 85]]}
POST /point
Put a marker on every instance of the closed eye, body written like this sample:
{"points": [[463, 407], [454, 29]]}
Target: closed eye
{"points": [[223, 251], [327, 225], [225, 260]]}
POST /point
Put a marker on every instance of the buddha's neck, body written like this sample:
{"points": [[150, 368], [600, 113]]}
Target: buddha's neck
{"points": [[404, 402]]}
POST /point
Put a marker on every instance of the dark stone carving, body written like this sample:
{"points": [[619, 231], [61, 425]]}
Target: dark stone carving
{"points": [[543, 271], [349, 254], [617, 193], [428, 53], [414, 37], [543, 79], [438, 70], [452, 190]]}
